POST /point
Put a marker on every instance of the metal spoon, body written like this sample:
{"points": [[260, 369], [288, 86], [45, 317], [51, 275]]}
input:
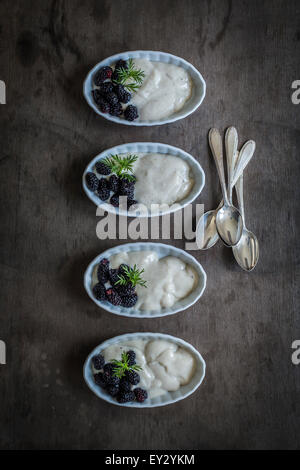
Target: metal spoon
{"points": [[246, 252], [206, 231], [228, 219]]}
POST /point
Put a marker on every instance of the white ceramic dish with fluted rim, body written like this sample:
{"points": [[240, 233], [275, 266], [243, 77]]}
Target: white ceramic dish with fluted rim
{"points": [[148, 147], [162, 250], [169, 397], [198, 91]]}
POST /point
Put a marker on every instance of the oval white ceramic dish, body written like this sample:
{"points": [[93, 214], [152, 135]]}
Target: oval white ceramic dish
{"points": [[162, 400], [162, 250], [198, 92], [148, 147]]}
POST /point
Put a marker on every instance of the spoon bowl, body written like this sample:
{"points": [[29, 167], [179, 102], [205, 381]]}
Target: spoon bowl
{"points": [[206, 231], [246, 252], [229, 224]]}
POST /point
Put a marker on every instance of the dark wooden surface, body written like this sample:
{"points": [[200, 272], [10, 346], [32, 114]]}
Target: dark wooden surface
{"points": [[248, 52]]}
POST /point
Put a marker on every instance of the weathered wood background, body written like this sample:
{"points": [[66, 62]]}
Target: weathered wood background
{"points": [[248, 52]]}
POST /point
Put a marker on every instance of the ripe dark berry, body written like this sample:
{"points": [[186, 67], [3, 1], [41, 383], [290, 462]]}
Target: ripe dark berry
{"points": [[108, 368], [114, 200], [112, 390], [131, 202], [132, 377], [122, 269], [103, 270], [97, 96], [121, 64], [131, 357], [105, 87], [100, 380], [101, 102], [125, 386], [131, 113], [129, 301], [99, 291], [113, 380], [126, 187], [92, 181], [98, 362], [126, 290], [116, 109], [103, 190], [140, 395], [102, 169], [123, 95], [113, 183], [103, 74], [113, 276], [112, 98], [124, 397], [113, 297]]}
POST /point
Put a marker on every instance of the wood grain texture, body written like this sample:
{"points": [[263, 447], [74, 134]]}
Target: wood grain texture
{"points": [[248, 52]]}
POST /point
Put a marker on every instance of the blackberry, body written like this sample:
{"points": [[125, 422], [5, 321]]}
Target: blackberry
{"points": [[113, 276], [98, 362], [113, 380], [125, 386], [122, 269], [129, 301], [130, 202], [126, 290], [131, 113], [121, 64], [131, 357], [140, 395], [114, 200], [92, 181], [102, 169], [103, 74], [105, 87], [108, 368], [103, 191], [101, 102], [115, 76], [113, 183], [97, 96], [116, 109], [112, 390], [123, 95], [124, 397], [103, 270], [112, 98], [99, 291], [132, 377], [126, 187], [113, 297], [100, 380]]}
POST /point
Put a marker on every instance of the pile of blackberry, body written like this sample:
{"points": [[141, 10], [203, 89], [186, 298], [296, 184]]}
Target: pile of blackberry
{"points": [[110, 96], [103, 187], [121, 389], [108, 289]]}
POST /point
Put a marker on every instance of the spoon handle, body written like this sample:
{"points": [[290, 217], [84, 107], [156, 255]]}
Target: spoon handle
{"points": [[240, 196], [244, 157], [231, 145], [215, 142]]}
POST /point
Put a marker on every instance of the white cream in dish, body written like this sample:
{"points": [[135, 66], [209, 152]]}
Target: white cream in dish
{"points": [[165, 90], [161, 179], [165, 365], [168, 279]]}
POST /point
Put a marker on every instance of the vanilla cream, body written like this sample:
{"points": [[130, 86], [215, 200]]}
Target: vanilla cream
{"points": [[168, 279], [165, 365], [164, 91]]}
